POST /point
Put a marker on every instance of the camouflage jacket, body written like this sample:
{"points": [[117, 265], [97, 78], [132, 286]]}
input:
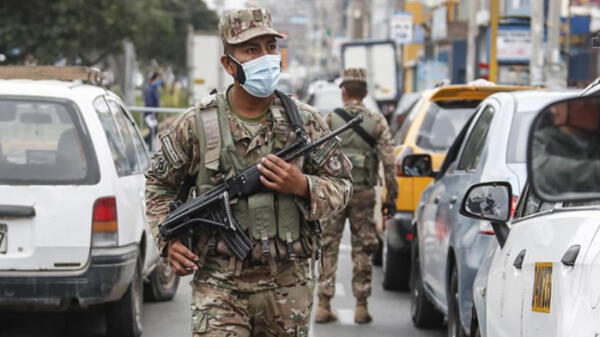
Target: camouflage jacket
{"points": [[329, 181], [385, 144]]}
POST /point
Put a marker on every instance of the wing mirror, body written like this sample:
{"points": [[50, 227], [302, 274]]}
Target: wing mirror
{"points": [[417, 165], [563, 151], [492, 202]]}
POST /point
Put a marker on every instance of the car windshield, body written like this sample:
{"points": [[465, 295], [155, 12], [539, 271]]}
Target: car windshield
{"points": [[519, 130], [443, 121], [42, 142]]}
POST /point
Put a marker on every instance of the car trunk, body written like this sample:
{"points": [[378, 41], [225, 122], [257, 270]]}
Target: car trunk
{"points": [[55, 237]]}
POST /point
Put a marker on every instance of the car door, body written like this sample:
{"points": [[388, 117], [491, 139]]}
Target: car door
{"points": [[129, 179], [527, 280], [129, 130], [449, 190]]}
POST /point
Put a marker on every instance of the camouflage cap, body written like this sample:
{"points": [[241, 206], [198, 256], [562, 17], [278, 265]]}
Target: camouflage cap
{"points": [[354, 75], [244, 24]]}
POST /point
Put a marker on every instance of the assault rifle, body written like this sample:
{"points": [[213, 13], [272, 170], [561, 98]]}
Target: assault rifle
{"points": [[212, 209]]}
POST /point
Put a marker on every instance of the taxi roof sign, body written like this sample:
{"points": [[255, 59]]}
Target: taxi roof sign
{"points": [[68, 73]]}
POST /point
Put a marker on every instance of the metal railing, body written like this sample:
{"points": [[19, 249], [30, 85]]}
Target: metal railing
{"points": [[163, 117]]}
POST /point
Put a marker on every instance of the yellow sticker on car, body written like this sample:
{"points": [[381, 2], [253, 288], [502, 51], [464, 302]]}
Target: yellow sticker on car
{"points": [[542, 287]]}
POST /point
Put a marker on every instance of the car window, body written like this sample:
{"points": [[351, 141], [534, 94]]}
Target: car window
{"points": [[531, 204], [136, 153], [475, 144], [44, 142], [443, 120], [454, 149], [117, 143], [400, 136]]}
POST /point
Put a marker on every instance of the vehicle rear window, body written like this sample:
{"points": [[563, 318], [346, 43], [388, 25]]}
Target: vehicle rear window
{"points": [[517, 142], [443, 121], [44, 142]]}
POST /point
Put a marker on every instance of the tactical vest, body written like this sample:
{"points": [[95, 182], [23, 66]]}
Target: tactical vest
{"points": [[268, 217], [364, 159]]}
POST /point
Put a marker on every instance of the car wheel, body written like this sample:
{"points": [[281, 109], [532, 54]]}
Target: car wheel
{"points": [[396, 268], [124, 317], [454, 325], [162, 283], [423, 313], [377, 258]]}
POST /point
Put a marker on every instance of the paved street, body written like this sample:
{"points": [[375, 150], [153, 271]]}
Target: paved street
{"points": [[390, 311]]}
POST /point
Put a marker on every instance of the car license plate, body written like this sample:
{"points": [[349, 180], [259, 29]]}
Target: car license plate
{"points": [[3, 238], [542, 287]]}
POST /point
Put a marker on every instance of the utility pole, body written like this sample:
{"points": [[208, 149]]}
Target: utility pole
{"points": [[555, 71], [536, 65], [472, 40], [494, 20]]}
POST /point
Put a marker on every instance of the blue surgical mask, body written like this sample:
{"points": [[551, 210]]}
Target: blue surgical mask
{"points": [[259, 77]]}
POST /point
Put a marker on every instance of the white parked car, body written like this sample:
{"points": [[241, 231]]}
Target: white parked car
{"points": [[542, 277], [73, 230]]}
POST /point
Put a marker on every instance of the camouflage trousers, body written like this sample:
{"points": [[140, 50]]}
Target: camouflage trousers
{"points": [[364, 243], [280, 308]]}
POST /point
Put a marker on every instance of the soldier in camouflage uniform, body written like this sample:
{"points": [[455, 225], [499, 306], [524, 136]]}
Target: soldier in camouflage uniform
{"points": [[365, 156], [270, 292]]}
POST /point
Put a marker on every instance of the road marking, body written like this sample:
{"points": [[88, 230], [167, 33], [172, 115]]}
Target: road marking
{"points": [[340, 290], [346, 316]]}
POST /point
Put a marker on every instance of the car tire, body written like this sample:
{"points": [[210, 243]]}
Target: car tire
{"points": [[162, 283], [455, 328], [423, 313], [396, 268], [124, 317], [377, 257]]}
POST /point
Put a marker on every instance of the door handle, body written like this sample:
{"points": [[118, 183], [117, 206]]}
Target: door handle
{"points": [[571, 255], [454, 199], [436, 200], [519, 260]]}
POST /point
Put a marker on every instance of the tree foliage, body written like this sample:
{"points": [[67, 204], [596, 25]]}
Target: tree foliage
{"points": [[86, 31]]}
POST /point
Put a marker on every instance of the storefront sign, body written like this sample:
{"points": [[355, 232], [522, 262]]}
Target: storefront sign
{"points": [[401, 27], [514, 45]]}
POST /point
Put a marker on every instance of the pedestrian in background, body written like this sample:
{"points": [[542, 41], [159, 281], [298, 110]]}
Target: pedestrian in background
{"points": [[269, 293], [366, 145], [152, 99]]}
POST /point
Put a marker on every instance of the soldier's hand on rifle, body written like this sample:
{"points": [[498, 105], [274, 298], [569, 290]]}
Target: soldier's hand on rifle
{"points": [[283, 177], [181, 258], [388, 209]]}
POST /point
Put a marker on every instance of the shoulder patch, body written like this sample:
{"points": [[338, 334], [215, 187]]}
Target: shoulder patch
{"points": [[175, 158]]}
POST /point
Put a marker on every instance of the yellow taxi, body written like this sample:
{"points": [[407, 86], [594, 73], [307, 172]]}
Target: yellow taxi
{"points": [[429, 128]]}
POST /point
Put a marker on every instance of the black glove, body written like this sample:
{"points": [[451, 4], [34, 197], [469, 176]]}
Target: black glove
{"points": [[388, 209]]}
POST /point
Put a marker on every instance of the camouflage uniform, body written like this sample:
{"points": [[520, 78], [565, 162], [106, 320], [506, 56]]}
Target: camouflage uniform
{"points": [[249, 298], [360, 209]]}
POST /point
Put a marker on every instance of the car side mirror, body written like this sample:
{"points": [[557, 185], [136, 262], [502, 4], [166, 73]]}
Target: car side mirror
{"points": [[490, 201], [417, 165]]}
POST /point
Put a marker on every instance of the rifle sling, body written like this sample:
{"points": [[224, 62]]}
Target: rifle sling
{"points": [[357, 128]]}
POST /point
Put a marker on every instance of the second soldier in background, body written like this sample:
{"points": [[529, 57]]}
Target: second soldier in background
{"points": [[365, 146]]}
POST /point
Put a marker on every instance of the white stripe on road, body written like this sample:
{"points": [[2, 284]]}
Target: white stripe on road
{"points": [[345, 316]]}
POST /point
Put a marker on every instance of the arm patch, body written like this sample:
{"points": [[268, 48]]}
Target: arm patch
{"points": [[175, 157], [324, 152]]}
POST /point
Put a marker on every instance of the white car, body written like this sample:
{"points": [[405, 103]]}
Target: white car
{"points": [[543, 275], [326, 96], [73, 231]]}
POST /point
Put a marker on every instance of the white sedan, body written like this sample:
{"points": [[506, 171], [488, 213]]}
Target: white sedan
{"points": [[542, 278]]}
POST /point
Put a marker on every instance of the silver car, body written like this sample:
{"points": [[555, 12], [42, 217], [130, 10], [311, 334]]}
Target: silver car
{"points": [[449, 247]]}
